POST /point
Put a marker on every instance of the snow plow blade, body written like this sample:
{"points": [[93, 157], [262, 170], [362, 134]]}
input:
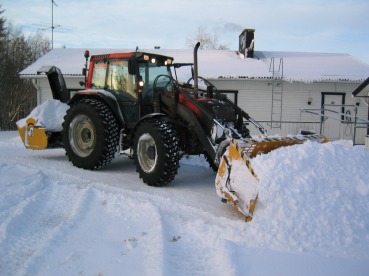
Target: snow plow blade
{"points": [[253, 147], [33, 137], [236, 181]]}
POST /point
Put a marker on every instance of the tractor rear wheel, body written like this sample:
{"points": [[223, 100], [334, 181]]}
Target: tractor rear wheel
{"points": [[90, 134], [156, 152]]}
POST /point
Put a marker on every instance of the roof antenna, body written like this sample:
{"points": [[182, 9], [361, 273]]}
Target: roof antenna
{"points": [[52, 23]]}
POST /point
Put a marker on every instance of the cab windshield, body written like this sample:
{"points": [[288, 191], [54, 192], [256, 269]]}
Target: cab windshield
{"points": [[148, 73], [113, 75]]}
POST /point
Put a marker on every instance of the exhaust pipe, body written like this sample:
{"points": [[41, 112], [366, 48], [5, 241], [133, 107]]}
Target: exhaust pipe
{"points": [[196, 71]]}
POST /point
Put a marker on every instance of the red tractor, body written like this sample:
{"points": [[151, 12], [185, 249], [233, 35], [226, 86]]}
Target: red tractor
{"points": [[132, 101]]}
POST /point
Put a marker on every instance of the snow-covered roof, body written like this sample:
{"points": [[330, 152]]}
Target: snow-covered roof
{"points": [[297, 66]]}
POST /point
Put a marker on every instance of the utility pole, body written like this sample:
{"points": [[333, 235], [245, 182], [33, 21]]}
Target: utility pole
{"points": [[52, 23]]}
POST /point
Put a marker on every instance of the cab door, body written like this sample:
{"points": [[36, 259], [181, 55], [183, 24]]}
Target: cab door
{"points": [[123, 86]]}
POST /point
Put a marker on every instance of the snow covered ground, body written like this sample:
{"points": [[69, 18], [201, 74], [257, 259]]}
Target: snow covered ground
{"points": [[312, 216]]}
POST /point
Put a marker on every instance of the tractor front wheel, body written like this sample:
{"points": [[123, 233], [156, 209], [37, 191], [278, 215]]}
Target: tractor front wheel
{"points": [[156, 152]]}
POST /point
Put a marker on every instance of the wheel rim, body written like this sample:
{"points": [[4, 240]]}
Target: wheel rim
{"points": [[146, 152], [82, 135]]}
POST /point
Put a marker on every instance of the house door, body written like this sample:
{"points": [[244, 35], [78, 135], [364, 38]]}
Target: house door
{"points": [[332, 105]]}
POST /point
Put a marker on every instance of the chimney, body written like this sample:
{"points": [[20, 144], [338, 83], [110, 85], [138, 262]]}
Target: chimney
{"points": [[246, 46]]}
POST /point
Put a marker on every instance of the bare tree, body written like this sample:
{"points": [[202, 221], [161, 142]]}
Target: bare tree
{"points": [[207, 40], [3, 44], [17, 96], [39, 45]]}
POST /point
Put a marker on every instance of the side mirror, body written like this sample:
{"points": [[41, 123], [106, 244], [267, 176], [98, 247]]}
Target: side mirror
{"points": [[84, 71], [132, 66]]}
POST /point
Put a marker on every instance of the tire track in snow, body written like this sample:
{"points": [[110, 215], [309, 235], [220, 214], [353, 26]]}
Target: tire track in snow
{"points": [[142, 238], [31, 223], [165, 237], [152, 211], [201, 246], [189, 245], [126, 232]]}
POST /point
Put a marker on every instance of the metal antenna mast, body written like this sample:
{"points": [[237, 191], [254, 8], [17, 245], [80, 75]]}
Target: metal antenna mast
{"points": [[52, 23]]}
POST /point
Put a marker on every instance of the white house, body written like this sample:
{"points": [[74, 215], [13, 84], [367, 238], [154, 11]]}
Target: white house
{"points": [[272, 87]]}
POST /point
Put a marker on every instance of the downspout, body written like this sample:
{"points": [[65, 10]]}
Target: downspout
{"points": [[38, 90]]}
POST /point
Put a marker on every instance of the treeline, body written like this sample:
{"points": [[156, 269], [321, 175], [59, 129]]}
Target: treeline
{"points": [[17, 96]]}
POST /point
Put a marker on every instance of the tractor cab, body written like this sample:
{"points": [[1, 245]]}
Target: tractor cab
{"points": [[131, 78]]}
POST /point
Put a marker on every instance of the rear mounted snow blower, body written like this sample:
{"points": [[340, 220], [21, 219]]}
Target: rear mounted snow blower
{"points": [[33, 136], [42, 128]]}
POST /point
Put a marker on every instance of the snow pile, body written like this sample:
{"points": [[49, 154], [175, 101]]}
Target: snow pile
{"points": [[319, 195], [312, 216], [49, 115]]}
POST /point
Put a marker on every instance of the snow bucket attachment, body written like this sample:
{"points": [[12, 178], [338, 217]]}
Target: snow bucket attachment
{"points": [[253, 147], [33, 136], [236, 181]]}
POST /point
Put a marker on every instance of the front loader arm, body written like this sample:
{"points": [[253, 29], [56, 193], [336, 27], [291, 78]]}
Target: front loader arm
{"points": [[190, 118]]}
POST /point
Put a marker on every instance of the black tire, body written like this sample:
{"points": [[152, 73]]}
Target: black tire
{"points": [[156, 152], [90, 134]]}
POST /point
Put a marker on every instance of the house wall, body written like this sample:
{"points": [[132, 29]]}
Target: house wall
{"points": [[255, 97], [44, 91]]}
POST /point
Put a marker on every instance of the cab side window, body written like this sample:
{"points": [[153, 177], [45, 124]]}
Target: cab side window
{"points": [[119, 81], [99, 75]]}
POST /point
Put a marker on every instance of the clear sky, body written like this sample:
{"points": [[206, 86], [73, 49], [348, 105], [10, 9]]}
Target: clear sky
{"points": [[339, 26]]}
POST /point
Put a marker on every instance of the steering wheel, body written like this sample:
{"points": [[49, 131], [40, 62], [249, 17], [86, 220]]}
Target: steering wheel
{"points": [[166, 84]]}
